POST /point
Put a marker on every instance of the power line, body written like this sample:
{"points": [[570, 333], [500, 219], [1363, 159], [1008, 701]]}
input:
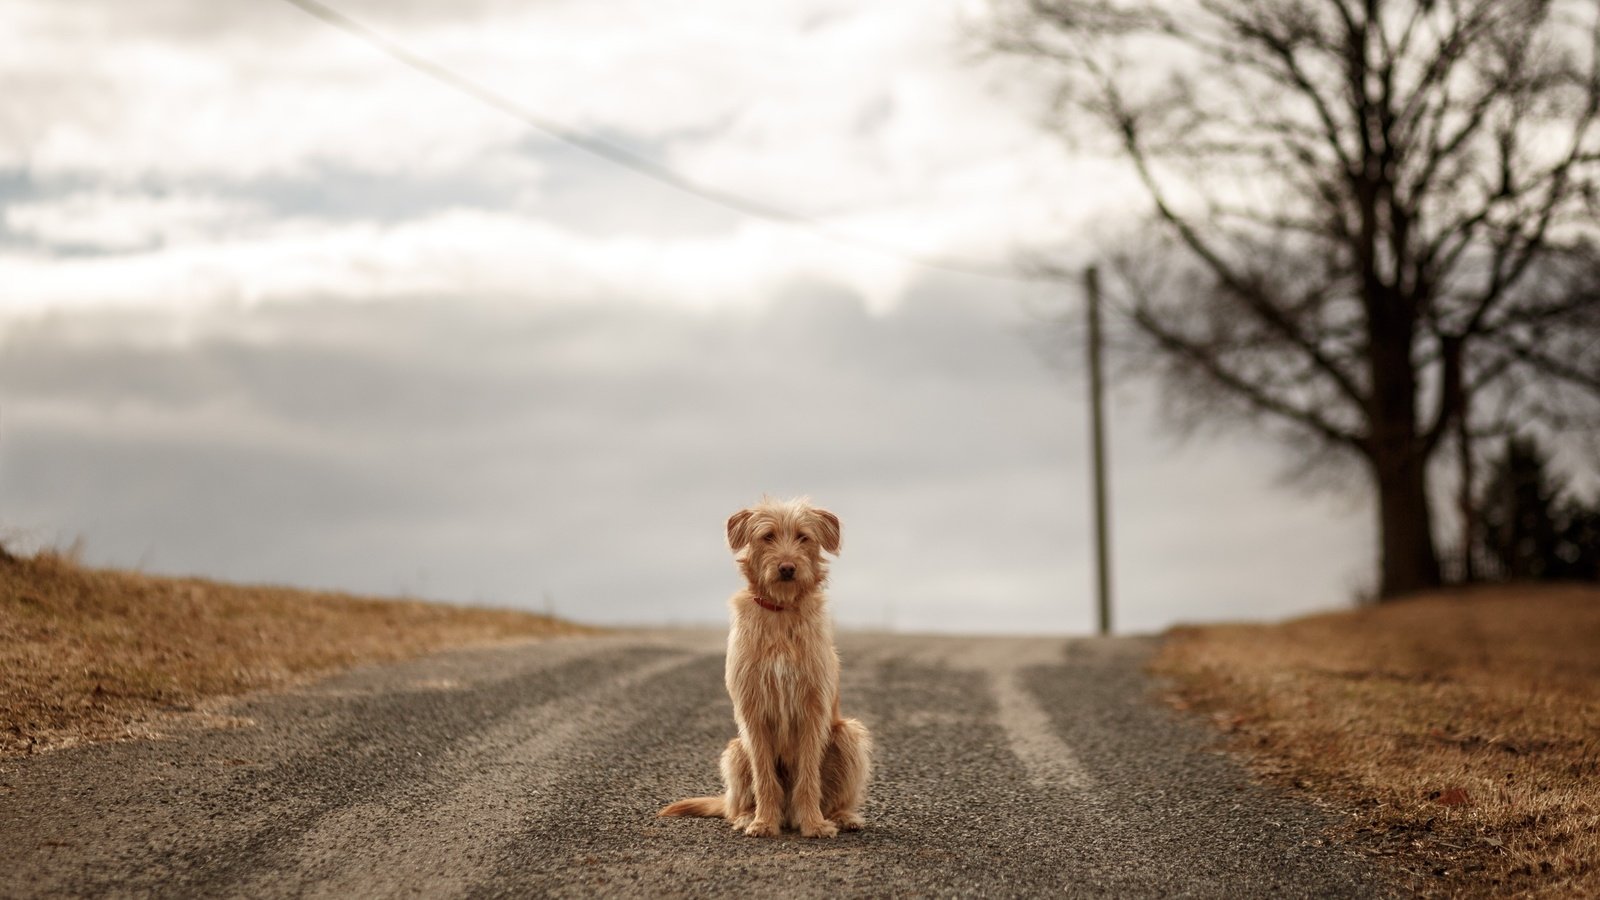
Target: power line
{"points": [[645, 166]]}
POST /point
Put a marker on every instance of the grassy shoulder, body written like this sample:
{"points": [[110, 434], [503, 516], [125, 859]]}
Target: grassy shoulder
{"points": [[1462, 729], [89, 654]]}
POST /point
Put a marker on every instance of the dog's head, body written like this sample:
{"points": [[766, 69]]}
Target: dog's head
{"points": [[780, 546]]}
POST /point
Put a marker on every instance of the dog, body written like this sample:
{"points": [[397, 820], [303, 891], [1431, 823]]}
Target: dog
{"points": [[796, 762]]}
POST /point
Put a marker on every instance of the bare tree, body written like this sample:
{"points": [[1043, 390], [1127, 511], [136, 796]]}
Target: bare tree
{"points": [[1376, 218]]}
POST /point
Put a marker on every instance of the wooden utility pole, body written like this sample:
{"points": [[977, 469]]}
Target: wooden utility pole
{"points": [[1097, 439]]}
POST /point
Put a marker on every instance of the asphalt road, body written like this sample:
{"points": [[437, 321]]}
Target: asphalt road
{"points": [[1006, 767]]}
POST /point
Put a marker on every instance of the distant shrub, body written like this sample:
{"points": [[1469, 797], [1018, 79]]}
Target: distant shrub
{"points": [[1530, 525]]}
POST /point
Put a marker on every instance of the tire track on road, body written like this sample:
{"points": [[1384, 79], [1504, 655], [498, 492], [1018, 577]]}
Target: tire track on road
{"points": [[482, 790], [202, 829]]}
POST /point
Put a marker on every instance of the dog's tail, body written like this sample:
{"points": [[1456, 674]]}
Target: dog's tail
{"points": [[696, 806]]}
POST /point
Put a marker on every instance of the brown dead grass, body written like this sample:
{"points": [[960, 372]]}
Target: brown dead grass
{"points": [[90, 654], [1462, 729]]}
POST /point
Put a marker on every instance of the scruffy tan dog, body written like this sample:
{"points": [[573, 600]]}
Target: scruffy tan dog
{"points": [[796, 761]]}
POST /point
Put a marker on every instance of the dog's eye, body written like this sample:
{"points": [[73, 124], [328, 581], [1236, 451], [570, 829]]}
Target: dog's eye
{"points": [[804, 538], [769, 537]]}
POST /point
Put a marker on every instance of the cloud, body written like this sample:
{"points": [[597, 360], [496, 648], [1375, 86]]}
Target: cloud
{"points": [[492, 451], [252, 155], [835, 111], [455, 251], [101, 220], [181, 93]]}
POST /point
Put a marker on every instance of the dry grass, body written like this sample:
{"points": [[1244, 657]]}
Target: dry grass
{"points": [[1463, 728], [93, 655]]}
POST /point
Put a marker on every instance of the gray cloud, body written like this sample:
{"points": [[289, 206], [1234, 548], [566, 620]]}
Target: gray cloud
{"points": [[505, 452], [208, 23]]}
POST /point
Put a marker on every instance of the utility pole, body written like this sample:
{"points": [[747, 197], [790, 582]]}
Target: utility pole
{"points": [[1097, 439]]}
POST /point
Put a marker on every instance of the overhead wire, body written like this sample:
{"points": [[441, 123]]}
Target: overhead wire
{"points": [[649, 168]]}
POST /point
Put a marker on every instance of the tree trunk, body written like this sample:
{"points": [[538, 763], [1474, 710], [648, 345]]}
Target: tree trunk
{"points": [[1407, 559], [1396, 450]]}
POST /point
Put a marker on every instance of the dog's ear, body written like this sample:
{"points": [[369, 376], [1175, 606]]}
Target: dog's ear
{"points": [[739, 529], [828, 533]]}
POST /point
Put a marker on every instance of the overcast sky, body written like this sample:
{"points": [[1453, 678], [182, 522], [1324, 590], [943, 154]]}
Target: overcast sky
{"points": [[275, 308]]}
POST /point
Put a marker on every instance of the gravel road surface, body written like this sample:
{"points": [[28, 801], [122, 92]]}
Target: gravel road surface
{"points": [[1005, 767]]}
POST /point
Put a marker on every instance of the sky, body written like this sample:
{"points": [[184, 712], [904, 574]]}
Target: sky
{"points": [[276, 308]]}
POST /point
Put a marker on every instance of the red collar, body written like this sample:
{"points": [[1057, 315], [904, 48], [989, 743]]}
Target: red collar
{"points": [[765, 604]]}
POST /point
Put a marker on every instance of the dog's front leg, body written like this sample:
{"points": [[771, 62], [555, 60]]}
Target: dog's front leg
{"points": [[808, 788], [766, 785]]}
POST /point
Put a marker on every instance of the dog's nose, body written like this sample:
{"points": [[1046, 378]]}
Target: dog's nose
{"points": [[786, 571]]}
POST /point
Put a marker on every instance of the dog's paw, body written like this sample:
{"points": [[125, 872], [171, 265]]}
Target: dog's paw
{"points": [[849, 821], [819, 829], [759, 828], [740, 823]]}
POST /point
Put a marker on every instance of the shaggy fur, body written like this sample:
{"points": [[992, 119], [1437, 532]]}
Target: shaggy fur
{"points": [[796, 761]]}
